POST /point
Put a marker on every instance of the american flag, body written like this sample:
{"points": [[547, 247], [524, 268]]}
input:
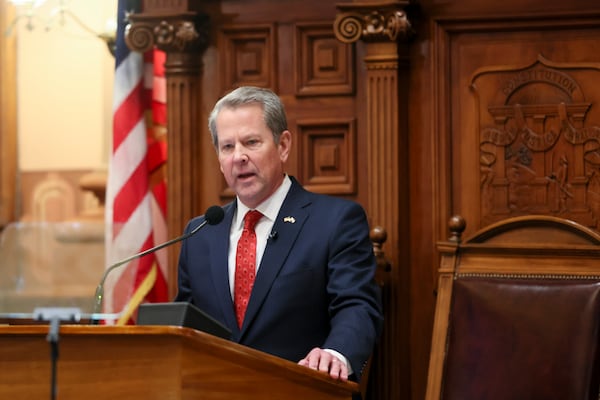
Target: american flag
{"points": [[136, 189]]}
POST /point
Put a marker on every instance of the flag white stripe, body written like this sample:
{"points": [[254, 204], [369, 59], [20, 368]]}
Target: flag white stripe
{"points": [[129, 155], [127, 77], [160, 235], [133, 233]]}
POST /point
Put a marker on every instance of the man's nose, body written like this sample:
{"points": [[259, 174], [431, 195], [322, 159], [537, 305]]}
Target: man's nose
{"points": [[239, 154]]}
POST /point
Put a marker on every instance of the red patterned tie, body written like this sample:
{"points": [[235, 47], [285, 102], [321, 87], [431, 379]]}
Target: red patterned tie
{"points": [[245, 265]]}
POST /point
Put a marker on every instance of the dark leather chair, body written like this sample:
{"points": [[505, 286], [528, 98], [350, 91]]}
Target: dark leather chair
{"points": [[517, 313]]}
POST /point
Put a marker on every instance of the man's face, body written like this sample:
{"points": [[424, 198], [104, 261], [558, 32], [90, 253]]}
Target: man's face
{"points": [[251, 162]]}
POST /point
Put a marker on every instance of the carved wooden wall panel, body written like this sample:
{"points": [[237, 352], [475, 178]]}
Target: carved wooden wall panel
{"points": [[325, 66], [526, 125], [248, 56], [314, 74], [503, 122], [327, 153], [539, 140]]}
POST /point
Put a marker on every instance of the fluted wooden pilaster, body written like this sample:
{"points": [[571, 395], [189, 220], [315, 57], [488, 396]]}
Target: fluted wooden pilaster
{"points": [[381, 26], [180, 31]]}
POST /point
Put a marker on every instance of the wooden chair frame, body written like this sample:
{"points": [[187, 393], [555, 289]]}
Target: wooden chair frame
{"points": [[528, 247]]}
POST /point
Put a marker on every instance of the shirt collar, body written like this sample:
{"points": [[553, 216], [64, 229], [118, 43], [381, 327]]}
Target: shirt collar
{"points": [[269, 208]]}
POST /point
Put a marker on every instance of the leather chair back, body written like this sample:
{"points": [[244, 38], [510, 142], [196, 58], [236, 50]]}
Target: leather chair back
{"points": [[518, 313]]}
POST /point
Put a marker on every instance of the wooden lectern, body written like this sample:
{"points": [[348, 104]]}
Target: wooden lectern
{"points": [[151, 362]]}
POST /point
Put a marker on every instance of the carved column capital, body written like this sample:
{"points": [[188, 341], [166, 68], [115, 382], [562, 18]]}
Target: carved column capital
{"points": [[372, 22], [178, 33]]}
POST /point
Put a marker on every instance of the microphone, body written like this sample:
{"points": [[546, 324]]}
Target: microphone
{"points": [[213, 216], [273, 235]]}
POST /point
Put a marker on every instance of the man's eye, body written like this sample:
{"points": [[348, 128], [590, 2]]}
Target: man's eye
{"points": [[226, 148]]}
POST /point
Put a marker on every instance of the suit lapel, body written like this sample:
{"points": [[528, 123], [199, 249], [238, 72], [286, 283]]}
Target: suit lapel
{"points": [[219, 269], [289, 223]]}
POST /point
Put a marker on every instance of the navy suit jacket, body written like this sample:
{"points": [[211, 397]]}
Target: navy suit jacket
{"points": [[314, 288]]}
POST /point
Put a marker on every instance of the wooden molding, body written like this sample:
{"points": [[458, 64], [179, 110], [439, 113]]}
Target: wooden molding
{"points": [[8, 118]]}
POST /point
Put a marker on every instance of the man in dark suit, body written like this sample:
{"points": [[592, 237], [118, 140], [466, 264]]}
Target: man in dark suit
{"points": [[314, 299]]}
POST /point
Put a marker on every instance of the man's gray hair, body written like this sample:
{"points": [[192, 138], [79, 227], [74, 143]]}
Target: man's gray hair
{"points": [[273, 109]]}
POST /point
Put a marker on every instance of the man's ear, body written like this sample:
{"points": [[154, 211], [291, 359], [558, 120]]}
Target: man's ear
{"points": [[285, 145]]}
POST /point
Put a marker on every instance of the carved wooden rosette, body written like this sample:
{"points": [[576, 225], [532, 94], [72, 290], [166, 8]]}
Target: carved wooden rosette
{"points": [[181, 33], [183, 37], [384, 27], [376, 22]]}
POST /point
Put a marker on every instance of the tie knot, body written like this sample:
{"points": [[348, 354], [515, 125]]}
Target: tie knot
{"points": [[251, 218]]}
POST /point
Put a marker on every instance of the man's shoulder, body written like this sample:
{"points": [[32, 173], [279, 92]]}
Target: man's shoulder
{"points": [[334, 206], [321, 197], [329, 205]]}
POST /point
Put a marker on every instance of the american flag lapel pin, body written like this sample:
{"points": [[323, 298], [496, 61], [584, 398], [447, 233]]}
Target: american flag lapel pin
{"points": [[291, 220]]}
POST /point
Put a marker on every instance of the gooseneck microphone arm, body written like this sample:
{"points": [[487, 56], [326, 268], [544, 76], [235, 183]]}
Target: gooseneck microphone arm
{"points": [[212, 216]]}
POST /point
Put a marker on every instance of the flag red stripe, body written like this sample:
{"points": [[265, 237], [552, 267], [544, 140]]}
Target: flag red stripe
{"points": [[159, 292], [128, 115], [160, 194], [131, 194], [159, 112], [157, 155], [160, 57], [145, 263]]}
